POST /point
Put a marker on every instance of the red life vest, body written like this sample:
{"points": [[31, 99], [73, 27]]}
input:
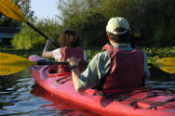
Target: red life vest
{"points": [[126, 68], [67, 53]]}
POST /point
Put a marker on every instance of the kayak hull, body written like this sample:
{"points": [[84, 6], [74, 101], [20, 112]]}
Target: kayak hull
{"points": [[136, 102]]}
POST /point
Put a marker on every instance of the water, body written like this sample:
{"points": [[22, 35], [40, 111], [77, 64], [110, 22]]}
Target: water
{"points": [[20, 96]]}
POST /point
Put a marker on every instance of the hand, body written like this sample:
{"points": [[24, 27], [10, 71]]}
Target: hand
{"points": [[50, 40], [73, 61]]}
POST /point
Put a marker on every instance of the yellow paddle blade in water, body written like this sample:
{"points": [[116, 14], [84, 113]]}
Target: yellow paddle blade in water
{"points": [[167, 64], [10, 9], [11, 64]]}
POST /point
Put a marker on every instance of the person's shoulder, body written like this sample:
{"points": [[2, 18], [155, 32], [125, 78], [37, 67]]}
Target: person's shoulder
{"points": [[100, 58], [102, 55], [142, 52], [56, 50]]}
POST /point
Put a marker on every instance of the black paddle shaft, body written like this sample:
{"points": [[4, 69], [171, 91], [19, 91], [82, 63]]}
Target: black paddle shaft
{"points": [[41, 33], [65, 63], [57, 63]]}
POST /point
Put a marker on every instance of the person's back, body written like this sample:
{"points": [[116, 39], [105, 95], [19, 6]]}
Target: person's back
{"points": [[70, 42], [125, 64], [118, 66], [67, 52]]}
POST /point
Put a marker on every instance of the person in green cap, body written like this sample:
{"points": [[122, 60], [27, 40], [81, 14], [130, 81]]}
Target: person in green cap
{"points": [[118, 66]]}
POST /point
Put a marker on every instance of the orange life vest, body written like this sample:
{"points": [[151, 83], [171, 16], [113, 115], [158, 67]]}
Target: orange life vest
{"points": [[126, 68]]}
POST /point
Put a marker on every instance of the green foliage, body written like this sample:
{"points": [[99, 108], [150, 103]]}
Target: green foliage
{"points": [[153, 52], [164, 36], [144, 16], [91, 53], [81, 15], [152, 22], [8, 22], [25, 7], [93, 31], [27, 38]]}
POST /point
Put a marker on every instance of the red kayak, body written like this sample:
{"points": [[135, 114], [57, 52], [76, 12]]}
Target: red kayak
{"points": [[136, 102]]}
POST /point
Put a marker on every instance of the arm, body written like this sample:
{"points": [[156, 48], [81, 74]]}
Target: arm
{"points": [[46, 53], [75, 72], [146, 70], [97, 68], [85, 55]]}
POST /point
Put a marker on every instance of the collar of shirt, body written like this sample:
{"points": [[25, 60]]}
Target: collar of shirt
{"points": [[122, 46]]}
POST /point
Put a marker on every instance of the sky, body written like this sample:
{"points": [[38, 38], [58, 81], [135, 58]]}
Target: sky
{"points": [[45, 8]]}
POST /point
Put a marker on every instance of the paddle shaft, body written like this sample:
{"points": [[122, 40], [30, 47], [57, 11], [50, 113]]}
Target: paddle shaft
{"points": [[66, 63], [150, 64], [41, 33], [58, 63]]}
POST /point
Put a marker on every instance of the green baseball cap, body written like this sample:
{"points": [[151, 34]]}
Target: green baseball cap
{"points": [[116, 22]]}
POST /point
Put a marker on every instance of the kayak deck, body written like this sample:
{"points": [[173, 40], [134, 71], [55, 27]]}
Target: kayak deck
{"points": [[138, 102]]}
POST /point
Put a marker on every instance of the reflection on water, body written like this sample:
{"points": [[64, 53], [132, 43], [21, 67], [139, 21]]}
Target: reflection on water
{"points": [[168, 85], [18, 97], [64, 108]]}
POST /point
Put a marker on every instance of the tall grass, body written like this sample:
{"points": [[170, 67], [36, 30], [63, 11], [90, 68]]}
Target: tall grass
{"points": [[27, 38]]}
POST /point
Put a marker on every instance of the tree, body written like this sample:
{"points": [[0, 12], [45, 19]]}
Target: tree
{"points": [[153, 21], [26, 9]]}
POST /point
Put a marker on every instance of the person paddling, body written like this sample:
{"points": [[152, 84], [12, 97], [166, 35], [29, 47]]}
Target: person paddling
{"points": [[70, 42], [118, 66]]}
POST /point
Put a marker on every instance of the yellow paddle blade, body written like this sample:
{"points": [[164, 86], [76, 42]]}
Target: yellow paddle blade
{"points": [[9, 58], [14, 67], [10, 9], [10, 64], [167, 64], [167, 61]]}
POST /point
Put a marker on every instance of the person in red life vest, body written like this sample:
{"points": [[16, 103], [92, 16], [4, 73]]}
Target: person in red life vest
{"points": [[70, 42], [118, 66]]}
